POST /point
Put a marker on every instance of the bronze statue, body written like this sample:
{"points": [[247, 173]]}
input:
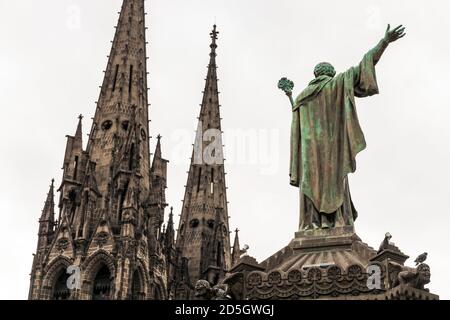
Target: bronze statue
{"points": [[326, 137]]}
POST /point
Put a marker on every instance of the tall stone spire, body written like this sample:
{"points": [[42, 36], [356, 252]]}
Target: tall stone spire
{"points": [[205, 200], [104, 226], [122, 108]]}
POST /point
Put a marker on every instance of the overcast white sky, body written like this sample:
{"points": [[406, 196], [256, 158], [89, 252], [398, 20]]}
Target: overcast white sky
{"points": [[53, 52]]}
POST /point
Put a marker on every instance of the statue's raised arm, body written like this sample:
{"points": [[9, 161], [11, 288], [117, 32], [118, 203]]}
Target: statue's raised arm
{"points": [[363, 75], [389, 36]]}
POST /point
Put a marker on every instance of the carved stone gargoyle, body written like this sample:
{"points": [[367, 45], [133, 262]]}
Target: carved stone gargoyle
{"points": [[231, 288], [416, 277]]}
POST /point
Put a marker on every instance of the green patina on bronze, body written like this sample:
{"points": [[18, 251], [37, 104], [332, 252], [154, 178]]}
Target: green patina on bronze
{"points": [[326, 136]]}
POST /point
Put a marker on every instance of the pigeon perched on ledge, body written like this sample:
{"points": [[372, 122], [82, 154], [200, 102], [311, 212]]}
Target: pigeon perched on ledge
{"points": [[244, 251], [420, 259], [385, 244]]}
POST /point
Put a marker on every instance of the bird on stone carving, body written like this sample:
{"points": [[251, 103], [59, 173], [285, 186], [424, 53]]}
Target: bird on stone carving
{"points": [[385, 244], [421, 258], [244, 250]]}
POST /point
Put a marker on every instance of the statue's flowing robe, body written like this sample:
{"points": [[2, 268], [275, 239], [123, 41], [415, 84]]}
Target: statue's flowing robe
{"points": [[326, 136]]}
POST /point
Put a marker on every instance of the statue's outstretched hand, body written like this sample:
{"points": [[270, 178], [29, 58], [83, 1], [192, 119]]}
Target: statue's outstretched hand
{"points": [[395, 34]]}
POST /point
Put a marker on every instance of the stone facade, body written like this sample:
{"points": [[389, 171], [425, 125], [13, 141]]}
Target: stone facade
{"points": [[112, 201], [112, 198]]}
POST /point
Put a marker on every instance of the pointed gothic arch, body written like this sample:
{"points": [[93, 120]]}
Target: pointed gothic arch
{"points": [[159, 289], [157, 293], [139, 282], [102, 284], [99, 273], [54, 275], [60, 290], [138, 285]]}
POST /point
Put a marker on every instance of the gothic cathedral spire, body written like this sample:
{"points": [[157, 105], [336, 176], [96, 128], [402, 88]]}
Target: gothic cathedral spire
{"points": [[203, 234], [120, 132], [107, 227]]}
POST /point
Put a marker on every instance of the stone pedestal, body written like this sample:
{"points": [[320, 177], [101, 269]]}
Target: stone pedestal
{"points": [[391, 255], [334, 264], [246, 264], [314, 233], [324, 240]]}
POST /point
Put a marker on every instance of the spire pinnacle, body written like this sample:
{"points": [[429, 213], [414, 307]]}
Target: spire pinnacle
{"points": [[158, 147], [170, 222], [159, 165], [210, 113], [48, 213], [78, 133], [236, 248], [169, 231], [214, 37]]}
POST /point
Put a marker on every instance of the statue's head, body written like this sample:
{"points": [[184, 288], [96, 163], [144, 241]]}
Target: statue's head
{"points": [[324, 68], [424, 273], [202, 288]]}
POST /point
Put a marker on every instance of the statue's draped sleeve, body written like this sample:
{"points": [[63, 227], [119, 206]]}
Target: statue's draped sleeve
{"points": [[296, 156], [326, 135]]}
